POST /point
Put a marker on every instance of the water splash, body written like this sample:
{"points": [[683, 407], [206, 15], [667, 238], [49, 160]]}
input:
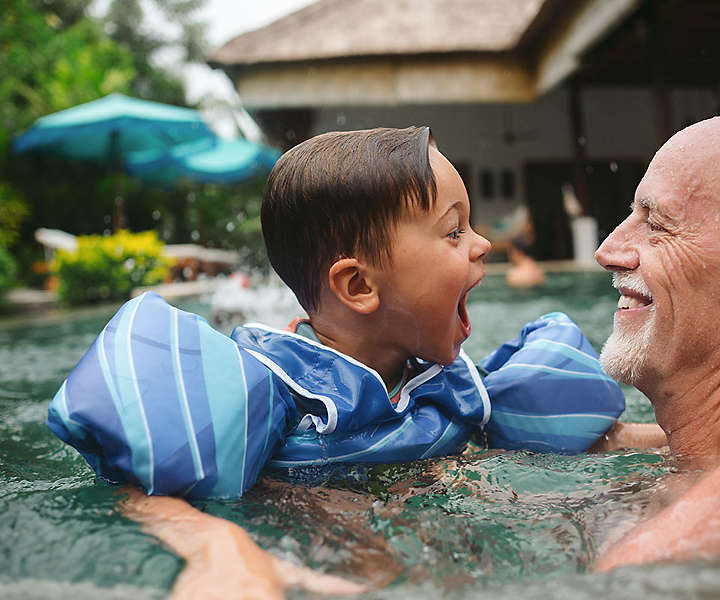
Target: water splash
{"points": [[238, 300]]}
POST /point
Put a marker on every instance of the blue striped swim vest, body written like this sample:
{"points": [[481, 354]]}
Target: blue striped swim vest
{"points": [[164, 401]]}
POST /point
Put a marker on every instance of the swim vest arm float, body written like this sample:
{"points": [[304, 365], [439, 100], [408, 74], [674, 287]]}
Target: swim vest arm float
{"points": [[163, 401], [548, 391]]}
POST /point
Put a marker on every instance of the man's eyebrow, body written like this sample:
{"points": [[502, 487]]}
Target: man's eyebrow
{"points": [[643, 202], [649, 204]]}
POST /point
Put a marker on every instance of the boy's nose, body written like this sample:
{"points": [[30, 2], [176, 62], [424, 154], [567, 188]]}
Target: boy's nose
{"points": [[479, 247], [617, 252]]}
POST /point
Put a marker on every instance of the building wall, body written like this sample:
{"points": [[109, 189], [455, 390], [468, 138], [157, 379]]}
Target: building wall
{"points": [[618, 126]]}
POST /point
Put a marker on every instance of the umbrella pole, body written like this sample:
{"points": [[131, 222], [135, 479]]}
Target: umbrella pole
{"points": [[119, 221]]}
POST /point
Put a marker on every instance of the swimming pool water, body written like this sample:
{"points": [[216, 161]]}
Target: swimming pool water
{"points": [[510, 524]]}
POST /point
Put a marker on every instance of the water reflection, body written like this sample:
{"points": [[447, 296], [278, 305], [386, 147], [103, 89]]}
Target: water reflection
{"points": [[508, 524]]}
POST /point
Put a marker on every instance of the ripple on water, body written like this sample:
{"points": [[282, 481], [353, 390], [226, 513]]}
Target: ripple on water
{"points": [[40, 589], [500, 525]]}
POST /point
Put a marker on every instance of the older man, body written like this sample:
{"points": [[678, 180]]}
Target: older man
{"points": [[665, 260]]}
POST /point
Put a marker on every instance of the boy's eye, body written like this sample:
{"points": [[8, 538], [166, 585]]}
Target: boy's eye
{"points": [[455, 234]]}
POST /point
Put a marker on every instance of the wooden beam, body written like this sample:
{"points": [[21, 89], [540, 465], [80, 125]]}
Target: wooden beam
{"points": [[579, 144], [587, 22], [656, 58], [387, 81]]}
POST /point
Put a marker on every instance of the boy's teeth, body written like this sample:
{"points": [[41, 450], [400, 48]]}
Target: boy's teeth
{"points": [[631, 302]]}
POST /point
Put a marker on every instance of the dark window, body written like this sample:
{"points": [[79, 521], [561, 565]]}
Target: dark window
{"points": [[507, 183], [487, 184]]}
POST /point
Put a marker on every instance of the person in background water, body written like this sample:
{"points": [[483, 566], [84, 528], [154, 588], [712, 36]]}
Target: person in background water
{"points": [[525, 271], [665, 261]]}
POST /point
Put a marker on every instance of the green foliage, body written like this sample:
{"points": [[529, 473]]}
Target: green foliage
{"points": [[229, 217], [48, 65], [54, 56], [124, 22], [67, 11], [7, 270], [108, 267], [12, 211], [88, 65]]}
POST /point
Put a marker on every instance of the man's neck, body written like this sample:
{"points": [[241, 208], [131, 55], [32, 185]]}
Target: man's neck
{"points": [[687, 407]]}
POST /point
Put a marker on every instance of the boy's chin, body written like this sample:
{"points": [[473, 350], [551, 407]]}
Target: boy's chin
{"points": [[449, 358]]}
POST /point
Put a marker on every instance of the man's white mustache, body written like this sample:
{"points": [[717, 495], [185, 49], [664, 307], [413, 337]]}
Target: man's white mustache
{"points": [[633, 282]]}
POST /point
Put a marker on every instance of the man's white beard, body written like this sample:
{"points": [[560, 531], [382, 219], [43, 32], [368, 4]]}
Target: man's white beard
{"points": [[625, 352]]}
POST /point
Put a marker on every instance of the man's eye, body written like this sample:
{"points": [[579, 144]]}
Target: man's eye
{"points": [[455, 234], [655, 226]]}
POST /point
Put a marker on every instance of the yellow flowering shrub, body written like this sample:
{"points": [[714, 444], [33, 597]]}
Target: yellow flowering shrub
{"points": [[108, 267]]}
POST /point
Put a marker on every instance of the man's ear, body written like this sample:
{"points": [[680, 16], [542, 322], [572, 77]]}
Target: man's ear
{"points": [[351, 283]]}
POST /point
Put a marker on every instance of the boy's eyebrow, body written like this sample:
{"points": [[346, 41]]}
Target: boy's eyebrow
{"points": [[454, 206]]}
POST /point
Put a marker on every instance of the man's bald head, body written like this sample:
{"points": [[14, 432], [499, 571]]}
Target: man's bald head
{"points": [[690, 161]]}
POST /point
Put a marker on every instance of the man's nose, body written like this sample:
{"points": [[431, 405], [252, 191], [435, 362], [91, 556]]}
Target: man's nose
{"points": [[617, 252]]}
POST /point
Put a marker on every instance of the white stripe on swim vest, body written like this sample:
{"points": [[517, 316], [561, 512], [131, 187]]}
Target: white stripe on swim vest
{"points": [[270, 411], [441, 440], [151, 459], [560, 416], [301, 338], [556, 343], [532, 367], [247, 410], [404, 392], [64, 406], [477, 380], [404, 424], [413, 383], [567, 323], [329, 404], [199, 471]]}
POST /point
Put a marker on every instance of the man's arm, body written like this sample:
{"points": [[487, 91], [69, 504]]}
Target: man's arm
{"points": [[222, 561], [630, 435], [688, 528]]}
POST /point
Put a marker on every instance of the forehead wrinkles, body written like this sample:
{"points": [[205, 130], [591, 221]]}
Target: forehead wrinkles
{"points": [[690, 161], [677, 191]]}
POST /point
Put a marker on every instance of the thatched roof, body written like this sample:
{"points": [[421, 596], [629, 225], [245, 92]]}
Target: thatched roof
{"points": [[352, 28]]}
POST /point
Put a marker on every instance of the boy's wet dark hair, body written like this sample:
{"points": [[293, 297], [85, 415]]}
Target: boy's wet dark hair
{"points": [[339, 195]]}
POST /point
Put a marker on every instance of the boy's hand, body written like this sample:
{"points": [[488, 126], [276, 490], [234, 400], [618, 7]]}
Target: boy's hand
{"points": [[222, 561]]}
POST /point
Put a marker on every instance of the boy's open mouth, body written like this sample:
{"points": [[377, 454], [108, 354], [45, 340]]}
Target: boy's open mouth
{"points": [[462, 314]]}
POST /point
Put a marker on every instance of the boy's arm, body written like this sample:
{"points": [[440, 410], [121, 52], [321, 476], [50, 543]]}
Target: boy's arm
{"points": [[690, 527], [630, 435], [548, 391], [222, 561]]}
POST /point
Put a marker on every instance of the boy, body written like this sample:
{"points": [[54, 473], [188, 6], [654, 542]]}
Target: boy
{"points": [[371, 231]]}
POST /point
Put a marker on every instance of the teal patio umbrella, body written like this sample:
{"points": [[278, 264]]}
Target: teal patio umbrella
{"points": [[208, 161], [109, 130]]}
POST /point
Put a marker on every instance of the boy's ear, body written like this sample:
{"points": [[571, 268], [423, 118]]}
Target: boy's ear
{"points": [[350, 282]]}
